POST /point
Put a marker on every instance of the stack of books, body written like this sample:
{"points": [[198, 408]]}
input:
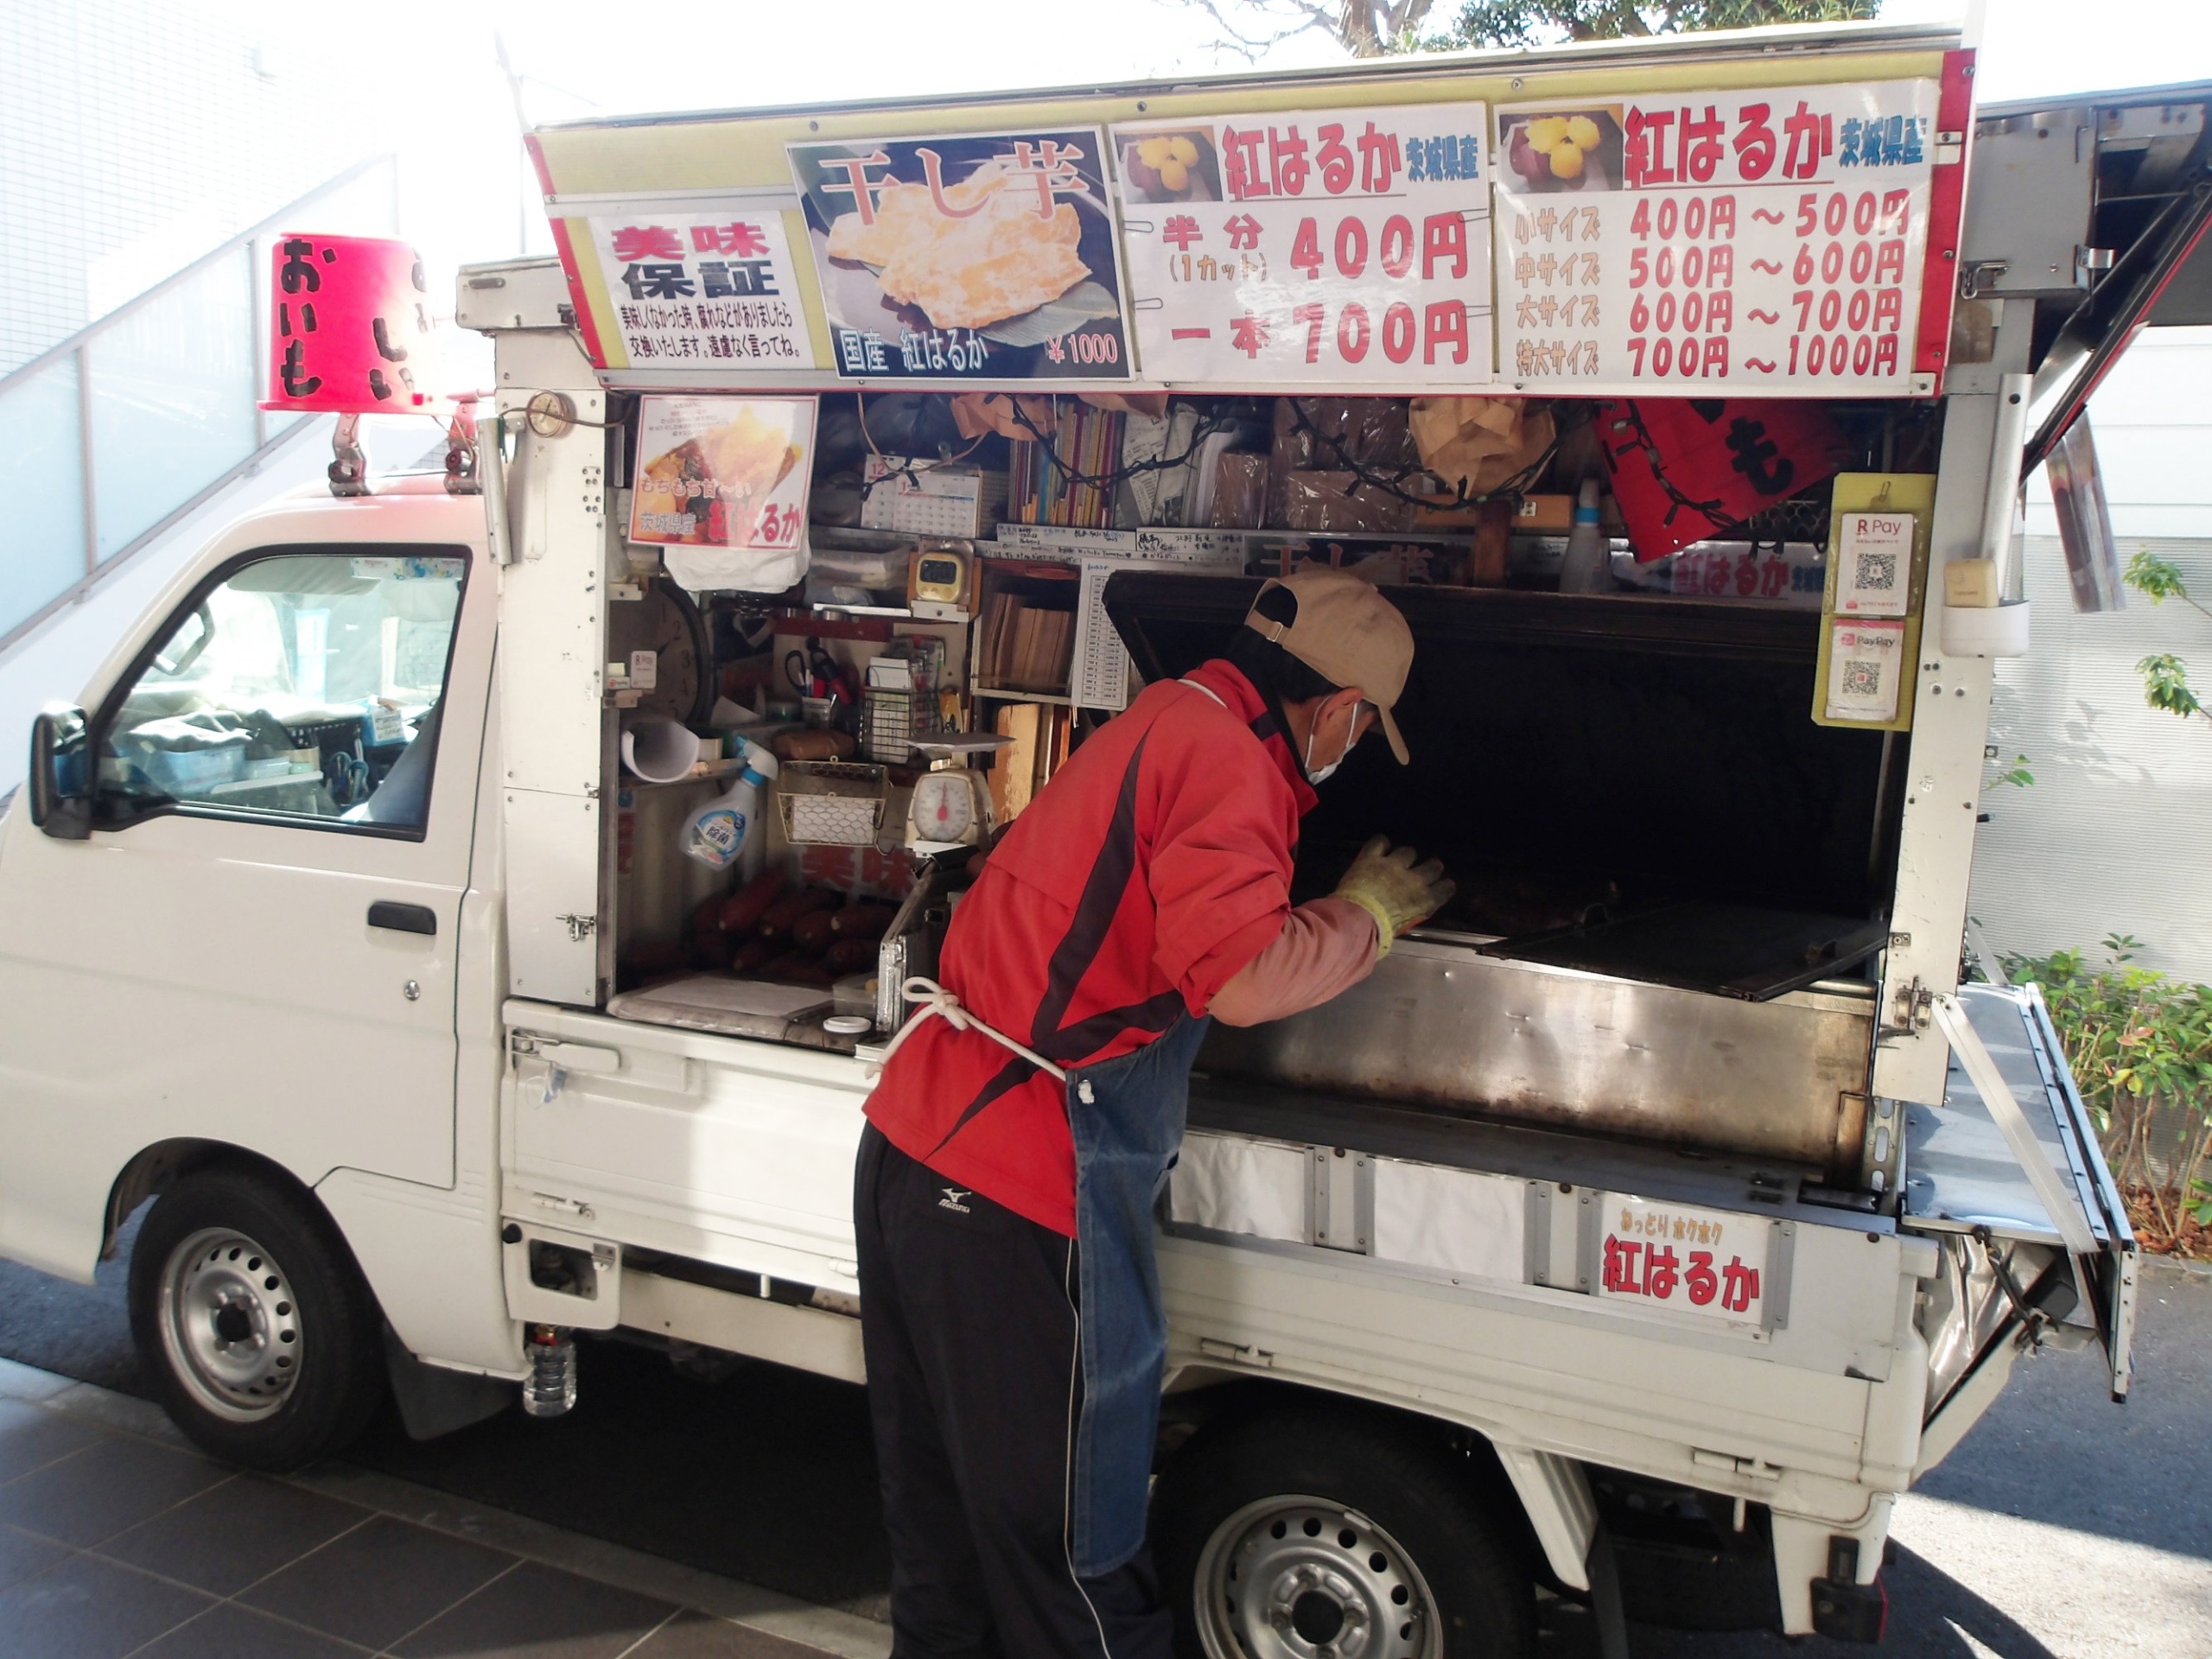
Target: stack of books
{"points": [[1025, 645], [1086, 439]]}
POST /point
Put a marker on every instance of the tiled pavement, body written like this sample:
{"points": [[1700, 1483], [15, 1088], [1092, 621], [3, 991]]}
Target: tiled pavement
{"points": [[116, 1539]]}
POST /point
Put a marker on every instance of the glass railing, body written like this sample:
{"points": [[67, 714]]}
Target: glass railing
{"points": [[116, 432]]}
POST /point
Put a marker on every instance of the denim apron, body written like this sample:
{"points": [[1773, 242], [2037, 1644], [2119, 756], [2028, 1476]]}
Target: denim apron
{"points": [[1126, 1115]]}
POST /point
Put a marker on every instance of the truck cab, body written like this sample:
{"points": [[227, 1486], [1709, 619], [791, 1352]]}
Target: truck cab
{"points": [[1671, 1205]]}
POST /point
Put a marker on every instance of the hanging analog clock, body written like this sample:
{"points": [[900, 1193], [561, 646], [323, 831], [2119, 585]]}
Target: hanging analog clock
{"points": [[666, 623]]}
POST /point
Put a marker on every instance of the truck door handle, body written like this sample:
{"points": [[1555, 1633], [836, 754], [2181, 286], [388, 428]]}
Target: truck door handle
{"points": [[402, 919]]}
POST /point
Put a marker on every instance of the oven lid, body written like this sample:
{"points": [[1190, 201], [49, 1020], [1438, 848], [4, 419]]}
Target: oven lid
{"points": [[1726, 949]]}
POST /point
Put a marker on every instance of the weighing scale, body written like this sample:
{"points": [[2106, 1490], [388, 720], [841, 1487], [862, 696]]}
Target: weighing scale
{"points": [[952, 804]]}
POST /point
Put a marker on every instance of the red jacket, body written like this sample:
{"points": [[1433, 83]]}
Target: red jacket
{"points": [[1152, 867]]}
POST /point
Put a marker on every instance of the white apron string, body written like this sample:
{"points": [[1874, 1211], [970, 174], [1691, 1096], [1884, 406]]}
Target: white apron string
{"points": [[938, 1002]]}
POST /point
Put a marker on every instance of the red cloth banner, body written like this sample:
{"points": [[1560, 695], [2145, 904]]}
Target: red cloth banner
{"points": [[350, 328]]}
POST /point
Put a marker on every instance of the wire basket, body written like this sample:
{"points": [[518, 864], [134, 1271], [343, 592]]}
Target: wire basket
{"points": [[830, 802], [888, 728]]}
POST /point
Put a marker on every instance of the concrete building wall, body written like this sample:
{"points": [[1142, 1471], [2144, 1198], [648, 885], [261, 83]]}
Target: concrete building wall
{"points": [[2115, 835], [134, 136]]}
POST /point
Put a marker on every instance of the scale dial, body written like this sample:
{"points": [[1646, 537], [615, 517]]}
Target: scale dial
{"points": [[943, 807]]}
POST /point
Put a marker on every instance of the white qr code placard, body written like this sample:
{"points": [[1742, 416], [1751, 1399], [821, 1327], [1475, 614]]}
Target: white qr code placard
{"points": [[1874, 567], [1866, 660]]}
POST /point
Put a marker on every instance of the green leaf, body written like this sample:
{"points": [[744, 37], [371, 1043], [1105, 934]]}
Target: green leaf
{"points": [[2158, 579], [2165, 685]]}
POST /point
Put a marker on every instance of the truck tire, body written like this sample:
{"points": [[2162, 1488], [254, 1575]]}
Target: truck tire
{"points": [[1316, 1535], [256, 1330]]}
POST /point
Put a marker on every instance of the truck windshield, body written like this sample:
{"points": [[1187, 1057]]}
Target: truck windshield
{"points": [[303, 685]]}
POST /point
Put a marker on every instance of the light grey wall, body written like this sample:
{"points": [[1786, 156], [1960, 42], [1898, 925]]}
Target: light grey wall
{"points": [[134, 136], [2115, 836]]}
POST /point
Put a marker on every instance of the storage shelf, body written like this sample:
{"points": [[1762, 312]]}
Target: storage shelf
{"points": [[1024, 696]]}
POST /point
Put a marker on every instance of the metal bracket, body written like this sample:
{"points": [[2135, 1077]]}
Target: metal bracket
{"points": [[1971, 279], [1913, 1001], [1340, 1199], [580, 927], [461, 476], [349, 463]]}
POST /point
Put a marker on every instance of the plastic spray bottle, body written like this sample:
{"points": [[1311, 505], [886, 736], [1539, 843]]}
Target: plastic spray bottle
{"points": [[1588, 567], [725, 832]]}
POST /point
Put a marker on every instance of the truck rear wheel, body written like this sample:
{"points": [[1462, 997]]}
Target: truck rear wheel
{"points": [[256, 1330], [1308, 1535]]}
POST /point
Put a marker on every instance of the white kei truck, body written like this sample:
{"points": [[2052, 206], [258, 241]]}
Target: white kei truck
{"points": [[1645, 1262]]}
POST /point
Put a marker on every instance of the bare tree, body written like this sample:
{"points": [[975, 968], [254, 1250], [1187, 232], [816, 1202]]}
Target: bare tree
{"points": [[1366, 29], [1374, 29]]}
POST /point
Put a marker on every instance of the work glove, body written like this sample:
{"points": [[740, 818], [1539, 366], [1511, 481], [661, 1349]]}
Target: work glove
{"points": [[1397, 892]]}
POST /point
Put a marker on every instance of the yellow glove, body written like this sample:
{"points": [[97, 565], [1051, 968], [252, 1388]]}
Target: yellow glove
{"points": [[1396, 892]]}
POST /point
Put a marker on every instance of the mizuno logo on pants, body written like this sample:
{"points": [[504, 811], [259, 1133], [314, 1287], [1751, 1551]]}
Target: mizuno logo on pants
{"points": [[951, 1200]]}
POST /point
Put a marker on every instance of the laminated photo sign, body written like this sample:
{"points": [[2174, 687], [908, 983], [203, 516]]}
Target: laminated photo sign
{"points": [[720, 488], [971, 256]]}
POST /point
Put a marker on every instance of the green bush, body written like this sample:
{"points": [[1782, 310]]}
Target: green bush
{"points": [[2141, 1046]]}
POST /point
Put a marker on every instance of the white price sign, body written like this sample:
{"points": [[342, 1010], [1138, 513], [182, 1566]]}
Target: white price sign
{"points": [[1338, 247], [1767, 243], [1686, 1259]]}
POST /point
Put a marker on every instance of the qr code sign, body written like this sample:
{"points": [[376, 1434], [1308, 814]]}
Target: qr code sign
{"points": [[1861, 678], [1878, 572]]}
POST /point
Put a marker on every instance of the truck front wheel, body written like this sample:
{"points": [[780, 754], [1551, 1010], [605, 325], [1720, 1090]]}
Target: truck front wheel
{"points": [[254, 1327], [1310, 1535]]}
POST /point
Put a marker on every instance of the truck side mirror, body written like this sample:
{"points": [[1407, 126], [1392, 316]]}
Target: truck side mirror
{"points": [[60, 780]]}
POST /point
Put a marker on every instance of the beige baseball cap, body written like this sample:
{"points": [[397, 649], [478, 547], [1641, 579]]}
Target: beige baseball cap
{"points": [[1350, 635]]}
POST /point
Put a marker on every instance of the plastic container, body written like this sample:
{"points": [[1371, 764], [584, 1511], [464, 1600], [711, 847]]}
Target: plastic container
{"points": [[725, 832], [1588, 566], [855, 994]]}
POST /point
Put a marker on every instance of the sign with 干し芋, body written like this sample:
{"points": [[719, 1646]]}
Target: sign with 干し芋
{"points": [[969, 256], [1345, 247], [1767, 243], [1685, 1259], [702, 291]]}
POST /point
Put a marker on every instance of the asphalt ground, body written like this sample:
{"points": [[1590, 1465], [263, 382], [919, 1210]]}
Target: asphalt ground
{"points": [[2064, 1527]]}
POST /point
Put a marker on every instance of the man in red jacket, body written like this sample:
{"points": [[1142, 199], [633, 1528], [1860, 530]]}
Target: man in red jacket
{"points": [[1010, 1305]]}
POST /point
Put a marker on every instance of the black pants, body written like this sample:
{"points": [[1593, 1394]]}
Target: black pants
{"points": [[968, 1316]]}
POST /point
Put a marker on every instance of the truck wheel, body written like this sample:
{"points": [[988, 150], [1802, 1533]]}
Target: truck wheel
{"points": [[254, 1327], [1310, 1536]]}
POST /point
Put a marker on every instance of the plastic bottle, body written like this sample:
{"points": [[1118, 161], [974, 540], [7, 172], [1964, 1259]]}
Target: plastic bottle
{"points": [[725, 831], [1588, 568]]}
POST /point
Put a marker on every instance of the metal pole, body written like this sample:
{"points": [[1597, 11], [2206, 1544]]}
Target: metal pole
{"points": [[84, 456]]}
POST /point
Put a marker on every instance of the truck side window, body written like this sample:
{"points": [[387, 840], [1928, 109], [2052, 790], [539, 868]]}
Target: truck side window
{"points": [[304, 685]]}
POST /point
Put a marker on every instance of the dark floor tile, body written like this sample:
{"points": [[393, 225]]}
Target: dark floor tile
{"points": [[21, 1555], [693, 1635], [542, 1612], [230, 1631], [104, 1488], [31, 1436], [377, 1583], [227, 1538], [87, 1608]]}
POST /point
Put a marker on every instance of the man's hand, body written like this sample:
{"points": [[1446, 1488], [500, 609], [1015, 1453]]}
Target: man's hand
{"points": [[1391, 886]]}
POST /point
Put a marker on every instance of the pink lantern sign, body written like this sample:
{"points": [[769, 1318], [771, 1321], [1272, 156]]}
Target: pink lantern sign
{"points": [[351, 328]]}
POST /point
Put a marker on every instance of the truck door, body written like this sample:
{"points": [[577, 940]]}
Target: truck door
{"points": [[255, 943]]}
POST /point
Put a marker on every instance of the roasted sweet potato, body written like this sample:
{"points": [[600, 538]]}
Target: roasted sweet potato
{"points": [[741, 911], [862, 921], [812, 933], [777, 920], [850, 956]]}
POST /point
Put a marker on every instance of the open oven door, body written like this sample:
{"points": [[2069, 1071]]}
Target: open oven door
{"points": [[2008, 1175]]}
